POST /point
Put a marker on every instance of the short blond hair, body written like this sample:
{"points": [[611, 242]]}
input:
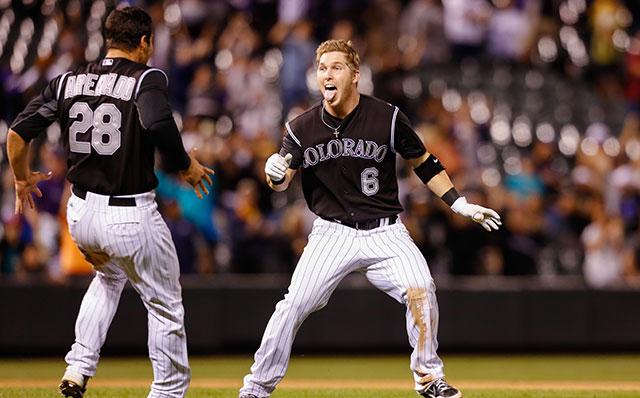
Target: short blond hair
{"points": [[343, 46]]}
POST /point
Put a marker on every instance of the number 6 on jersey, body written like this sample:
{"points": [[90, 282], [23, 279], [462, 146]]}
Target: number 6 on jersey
{"points": [[370, 184]]}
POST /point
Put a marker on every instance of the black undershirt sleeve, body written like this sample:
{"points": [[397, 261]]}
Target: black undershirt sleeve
{"points": [[156, 116], [407, 143], [168, 140], [39, 113]]}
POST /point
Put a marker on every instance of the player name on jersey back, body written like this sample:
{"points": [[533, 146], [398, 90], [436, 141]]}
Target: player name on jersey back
{"points": [[109, 84]]}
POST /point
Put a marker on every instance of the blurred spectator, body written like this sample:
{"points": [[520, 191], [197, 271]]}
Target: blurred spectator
{"points": [[633, 73], [510, 31], [605, 17], [465, 26], [14, 241], [603, 240], [191, 222], [526, 183], [521, 247], [422, 40], [298, 53], [72, 262], [45, 220], [184, 235]]}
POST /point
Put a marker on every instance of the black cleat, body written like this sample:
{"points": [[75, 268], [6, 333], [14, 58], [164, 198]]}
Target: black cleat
{"points": [[71, 388], [441, 389]]}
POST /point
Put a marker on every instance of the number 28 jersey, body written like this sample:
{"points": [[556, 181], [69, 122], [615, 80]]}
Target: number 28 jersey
{"points": [[108, 149], [351, 176]]}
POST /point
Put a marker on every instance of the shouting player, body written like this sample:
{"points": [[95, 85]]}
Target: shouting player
{"points": [[113, 114], [346, 148]]}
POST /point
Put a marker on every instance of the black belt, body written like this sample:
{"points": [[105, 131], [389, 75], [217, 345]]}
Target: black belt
{"points": [[368, 224], [113, 200]]}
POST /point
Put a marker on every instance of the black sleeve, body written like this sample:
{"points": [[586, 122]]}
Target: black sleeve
{"points": [[168, 140], [156, 116], [152, 99], [290, 145], [39, 113], [407, 143]]}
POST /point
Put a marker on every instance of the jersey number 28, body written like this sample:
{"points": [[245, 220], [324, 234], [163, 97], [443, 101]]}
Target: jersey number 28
{"points": [[105, 135]]}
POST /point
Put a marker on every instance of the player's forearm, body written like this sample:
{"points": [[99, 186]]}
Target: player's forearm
{"points": [[440, 183], [278, 187], [166, 136], [283, 185], [432, 172], [18, 153]]}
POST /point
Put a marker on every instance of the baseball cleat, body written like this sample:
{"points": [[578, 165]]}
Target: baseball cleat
{"points": [[73, 385], [247, 396], [441, 389]]}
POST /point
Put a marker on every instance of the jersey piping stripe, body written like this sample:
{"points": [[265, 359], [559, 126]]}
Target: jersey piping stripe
{"points": [[393, 129], [293, 135], [60, 83], [145, 74]]}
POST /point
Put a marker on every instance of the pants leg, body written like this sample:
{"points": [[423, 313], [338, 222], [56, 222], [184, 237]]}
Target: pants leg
{"points": [[154, 273], [98, 307], [327, 259], [100, 302], [131, 243], [400, 270]]}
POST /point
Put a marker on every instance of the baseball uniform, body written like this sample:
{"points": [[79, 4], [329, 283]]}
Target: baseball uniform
{"points": [[113, 114], [349, 181]]}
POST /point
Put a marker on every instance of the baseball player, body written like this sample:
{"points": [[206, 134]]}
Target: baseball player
{"points": [[346, 148], [113, 114]]}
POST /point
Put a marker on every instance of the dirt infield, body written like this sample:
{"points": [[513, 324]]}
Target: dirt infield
{"points": [[357, 384]]}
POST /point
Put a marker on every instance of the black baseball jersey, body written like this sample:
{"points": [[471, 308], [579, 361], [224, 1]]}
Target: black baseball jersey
{"points": [[351, 177], [104, 109]]}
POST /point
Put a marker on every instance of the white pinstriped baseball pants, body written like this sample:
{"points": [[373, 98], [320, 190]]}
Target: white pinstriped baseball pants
{"points": [[130, 243], [390, 260]]}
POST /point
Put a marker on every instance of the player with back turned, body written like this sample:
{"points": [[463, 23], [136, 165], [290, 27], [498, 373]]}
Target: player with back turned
{"points": [[346, 148], [113, 114]]}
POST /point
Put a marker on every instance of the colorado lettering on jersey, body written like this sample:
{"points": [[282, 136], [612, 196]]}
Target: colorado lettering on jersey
{"points": [[110, 84], [344, 147]]}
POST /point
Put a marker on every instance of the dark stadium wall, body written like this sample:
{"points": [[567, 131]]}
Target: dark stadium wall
{"points": [[39, 320]]}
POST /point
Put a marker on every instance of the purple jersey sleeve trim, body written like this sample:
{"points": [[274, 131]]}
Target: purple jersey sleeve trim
{"points": [[60, 84], [145, 74], [292, 135], [393, 129]]}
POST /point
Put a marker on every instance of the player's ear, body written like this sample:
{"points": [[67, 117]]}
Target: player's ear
{"points": [[356, 77], [145, 41]]}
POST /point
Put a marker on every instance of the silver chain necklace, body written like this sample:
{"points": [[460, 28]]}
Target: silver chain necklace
{"points": [[335, 129]]}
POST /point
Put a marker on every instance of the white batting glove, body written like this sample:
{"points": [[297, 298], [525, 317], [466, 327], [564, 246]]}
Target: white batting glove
{"points": [[276, 166], [488, 218]]}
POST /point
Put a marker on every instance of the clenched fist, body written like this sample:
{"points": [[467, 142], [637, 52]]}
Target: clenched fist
{"points": [[488, 218], [276, 166]]}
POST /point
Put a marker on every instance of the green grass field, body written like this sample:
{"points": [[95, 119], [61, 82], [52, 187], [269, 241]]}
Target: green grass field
{"points": [[479, 376]]}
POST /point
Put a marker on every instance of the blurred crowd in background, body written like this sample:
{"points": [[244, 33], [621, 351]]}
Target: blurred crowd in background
{"points": [[532, 106]]}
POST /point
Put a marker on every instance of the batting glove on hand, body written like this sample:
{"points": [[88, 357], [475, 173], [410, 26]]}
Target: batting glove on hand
{"points": [[276, 166], [488, 218]]}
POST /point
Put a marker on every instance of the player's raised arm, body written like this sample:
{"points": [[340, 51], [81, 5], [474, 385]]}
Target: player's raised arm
{"points": [[433, 174]]}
